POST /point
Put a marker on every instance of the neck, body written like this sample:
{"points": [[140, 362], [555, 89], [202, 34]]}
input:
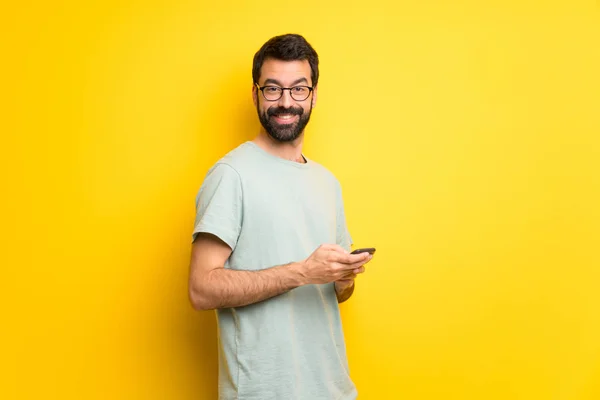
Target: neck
{"points": [[287, 150]]}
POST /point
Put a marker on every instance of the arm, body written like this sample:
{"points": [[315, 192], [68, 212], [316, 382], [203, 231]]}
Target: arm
{"points": [[345, 286], [344, 289], [212, 286]]}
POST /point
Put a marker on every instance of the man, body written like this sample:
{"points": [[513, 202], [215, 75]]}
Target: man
{"points": [[271, 248]]}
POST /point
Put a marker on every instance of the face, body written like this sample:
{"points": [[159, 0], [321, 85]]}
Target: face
{"points": [[284, 119]]}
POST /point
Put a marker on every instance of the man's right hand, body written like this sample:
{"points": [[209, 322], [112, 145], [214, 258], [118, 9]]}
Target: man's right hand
{"points": [[330, 262]]}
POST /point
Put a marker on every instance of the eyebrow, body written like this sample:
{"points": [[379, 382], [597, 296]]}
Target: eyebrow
{"points": [[276, 82]]}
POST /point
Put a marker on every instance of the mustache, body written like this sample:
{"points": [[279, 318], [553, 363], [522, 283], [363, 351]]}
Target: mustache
{"points": [[272, 112]]}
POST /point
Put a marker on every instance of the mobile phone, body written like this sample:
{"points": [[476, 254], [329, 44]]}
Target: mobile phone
{"points": [[369, 250]]}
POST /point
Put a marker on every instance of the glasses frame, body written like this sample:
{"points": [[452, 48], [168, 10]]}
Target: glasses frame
{"points": [[283, 89]]}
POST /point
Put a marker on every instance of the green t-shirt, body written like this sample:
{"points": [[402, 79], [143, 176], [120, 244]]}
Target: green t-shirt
{"points": [[271, 212]]}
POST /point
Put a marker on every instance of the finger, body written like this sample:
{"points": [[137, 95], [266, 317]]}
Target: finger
{"points": [[347, 268], [355, 265], [353, 258], [343, 270], [364, 262], [359, 270]]}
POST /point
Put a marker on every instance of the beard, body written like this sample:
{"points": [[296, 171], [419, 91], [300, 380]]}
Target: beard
{"points": [[284, 132]]}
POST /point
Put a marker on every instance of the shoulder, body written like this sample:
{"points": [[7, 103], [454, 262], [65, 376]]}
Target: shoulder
{"points": [[226, 169], [235, 162], [236, 158]]}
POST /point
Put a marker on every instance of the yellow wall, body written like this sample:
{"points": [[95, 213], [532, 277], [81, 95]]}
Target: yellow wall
{"points": [[465, 137]]}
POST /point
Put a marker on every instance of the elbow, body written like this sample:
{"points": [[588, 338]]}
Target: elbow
{"points": [[199, 299]]}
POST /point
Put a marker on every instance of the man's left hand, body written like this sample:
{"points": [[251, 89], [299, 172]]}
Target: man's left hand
{"points": [[343, 284], [345, 287]]}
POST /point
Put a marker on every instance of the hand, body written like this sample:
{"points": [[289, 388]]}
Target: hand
{"points": [[343, 284], [347, 281], [330, 263]]}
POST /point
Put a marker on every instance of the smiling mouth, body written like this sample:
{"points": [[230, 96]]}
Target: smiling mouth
{"points": [[285, 118]]}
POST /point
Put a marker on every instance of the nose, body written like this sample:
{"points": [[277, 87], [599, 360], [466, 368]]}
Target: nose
{"points": [[286, 100]]}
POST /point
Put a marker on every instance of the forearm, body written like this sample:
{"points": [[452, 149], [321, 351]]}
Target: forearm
{"points": [[225, 288]]}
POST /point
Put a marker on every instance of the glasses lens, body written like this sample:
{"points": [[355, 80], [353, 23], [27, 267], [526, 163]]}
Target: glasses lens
{"points": [[300, 93], [272, 92]]}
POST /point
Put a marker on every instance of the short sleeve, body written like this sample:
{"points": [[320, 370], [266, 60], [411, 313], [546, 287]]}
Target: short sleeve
{"points": [[219, 205], [343, 236]]}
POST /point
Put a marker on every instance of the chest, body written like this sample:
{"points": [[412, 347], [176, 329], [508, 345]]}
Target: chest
{"points": [[305, 203]]}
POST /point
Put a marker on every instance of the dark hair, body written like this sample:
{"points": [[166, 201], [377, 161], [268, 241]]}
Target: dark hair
{"points": [[290, 47]]}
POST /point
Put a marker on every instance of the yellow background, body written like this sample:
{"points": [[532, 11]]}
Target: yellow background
{"points": [[465, 136]]}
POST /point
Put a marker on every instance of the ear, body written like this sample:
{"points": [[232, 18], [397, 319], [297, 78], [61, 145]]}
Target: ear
{"points": [[314, 98], [255, 95]]}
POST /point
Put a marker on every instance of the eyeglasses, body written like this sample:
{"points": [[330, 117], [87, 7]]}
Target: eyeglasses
{"points": [[274, 93]]}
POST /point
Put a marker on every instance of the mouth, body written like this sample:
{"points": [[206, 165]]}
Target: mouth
{"points": [[284, 119]]}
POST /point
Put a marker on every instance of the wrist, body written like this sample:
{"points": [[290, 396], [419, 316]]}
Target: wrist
{"points": [[297, 274]]}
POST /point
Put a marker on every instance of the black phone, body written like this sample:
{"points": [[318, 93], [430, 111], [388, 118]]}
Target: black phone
{"points": [[369, 250]]}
